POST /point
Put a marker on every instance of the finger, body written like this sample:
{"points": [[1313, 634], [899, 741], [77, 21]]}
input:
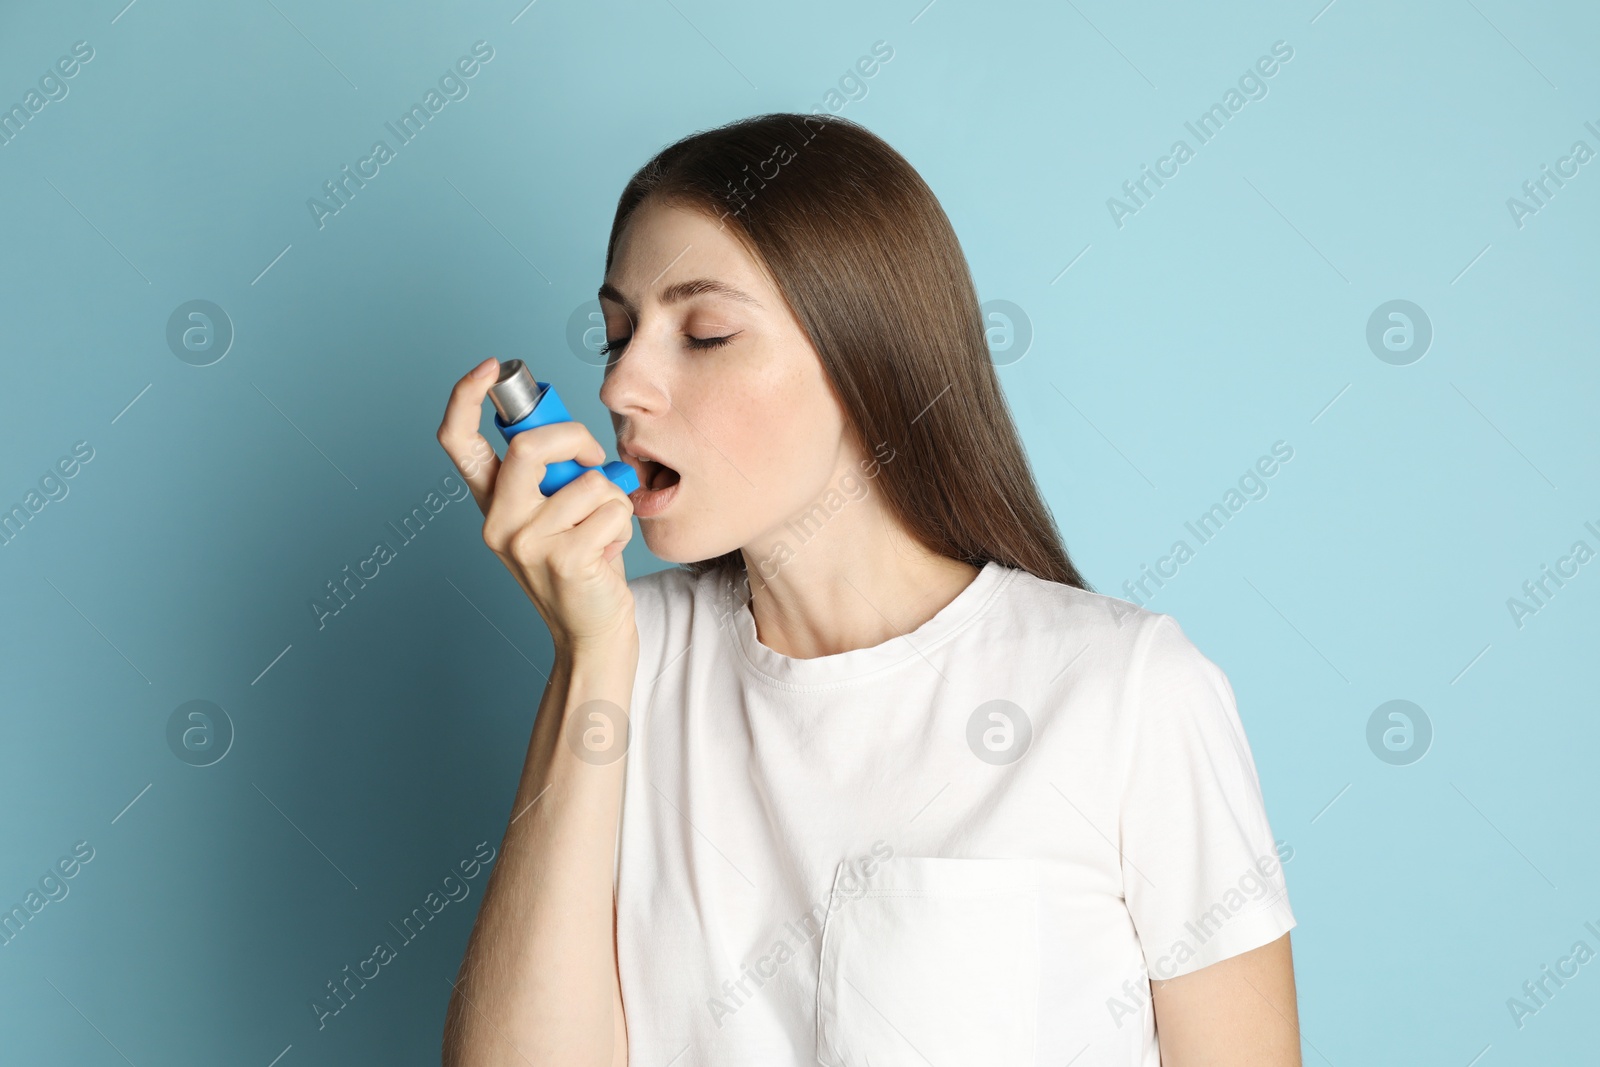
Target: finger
{"points": [[458, 433], [555, 442], [528, 458], [573, 538], [606, 532], [517, 517], [574, 502]]}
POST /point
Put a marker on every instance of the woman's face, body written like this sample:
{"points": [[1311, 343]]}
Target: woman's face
{"points": [[722, 388]]}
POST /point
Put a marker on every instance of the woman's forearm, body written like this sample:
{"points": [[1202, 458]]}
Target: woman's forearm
{"points": [[539, 981]]}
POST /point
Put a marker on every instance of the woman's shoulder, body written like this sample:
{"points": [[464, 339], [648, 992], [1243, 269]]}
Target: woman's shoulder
{"points": [[1046, 607], [670, 581], [664, 601], [1057, 619], [668, 606], [1134, 672], [661, 593]]}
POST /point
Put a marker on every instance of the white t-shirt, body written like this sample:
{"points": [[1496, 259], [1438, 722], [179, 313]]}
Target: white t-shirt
{"points": [[972, 845]]}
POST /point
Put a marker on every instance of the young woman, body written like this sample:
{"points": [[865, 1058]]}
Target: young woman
{"points": [[872, 777]]}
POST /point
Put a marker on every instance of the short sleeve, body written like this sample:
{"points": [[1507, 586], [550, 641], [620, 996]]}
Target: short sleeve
{"points": [[1202, 877]]}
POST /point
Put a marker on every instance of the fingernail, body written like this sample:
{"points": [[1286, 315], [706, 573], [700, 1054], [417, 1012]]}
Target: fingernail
{"points": [[484, 369]]}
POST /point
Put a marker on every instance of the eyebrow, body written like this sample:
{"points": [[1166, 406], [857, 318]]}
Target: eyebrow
{"points": [[680, 291]]}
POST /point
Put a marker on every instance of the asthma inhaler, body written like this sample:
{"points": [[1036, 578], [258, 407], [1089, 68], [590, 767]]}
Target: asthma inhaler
{"points": [[520, 403]]}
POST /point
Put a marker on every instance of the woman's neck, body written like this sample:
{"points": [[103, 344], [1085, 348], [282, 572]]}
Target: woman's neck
{"points": [[821, 604]]}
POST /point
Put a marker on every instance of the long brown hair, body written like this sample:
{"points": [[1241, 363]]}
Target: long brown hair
{"points": [[867, 259]]}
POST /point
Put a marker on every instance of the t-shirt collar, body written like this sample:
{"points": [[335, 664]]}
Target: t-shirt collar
{"points": [[828, 672]]}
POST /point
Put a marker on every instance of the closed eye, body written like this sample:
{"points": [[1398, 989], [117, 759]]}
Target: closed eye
{"points": [[611, 347]]}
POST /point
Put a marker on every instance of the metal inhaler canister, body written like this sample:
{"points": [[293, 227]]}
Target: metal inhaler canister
{"points": [[520, 403]]}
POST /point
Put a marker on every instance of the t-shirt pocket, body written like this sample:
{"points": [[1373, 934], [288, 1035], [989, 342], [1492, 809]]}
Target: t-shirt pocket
{"points": [[931, 960]]}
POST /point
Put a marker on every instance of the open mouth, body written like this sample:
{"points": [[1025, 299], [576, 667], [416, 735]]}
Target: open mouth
{"points": [[656, 476]]}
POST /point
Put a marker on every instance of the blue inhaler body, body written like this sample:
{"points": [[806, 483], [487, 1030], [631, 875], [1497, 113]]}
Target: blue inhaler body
{"points": [[520, 403]]}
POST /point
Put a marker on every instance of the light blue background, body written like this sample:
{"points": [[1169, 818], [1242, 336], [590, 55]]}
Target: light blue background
{"points": [[1228, 314]]}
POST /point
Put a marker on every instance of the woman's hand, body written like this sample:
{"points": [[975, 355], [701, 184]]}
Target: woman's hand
{"points": [[564, 550]]}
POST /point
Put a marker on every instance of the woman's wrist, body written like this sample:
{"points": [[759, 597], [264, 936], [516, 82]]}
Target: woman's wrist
{"points": [[599, 666], [597, 656]]}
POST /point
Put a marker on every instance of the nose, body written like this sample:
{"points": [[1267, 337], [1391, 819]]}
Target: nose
{"points": [[633, 387]]}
